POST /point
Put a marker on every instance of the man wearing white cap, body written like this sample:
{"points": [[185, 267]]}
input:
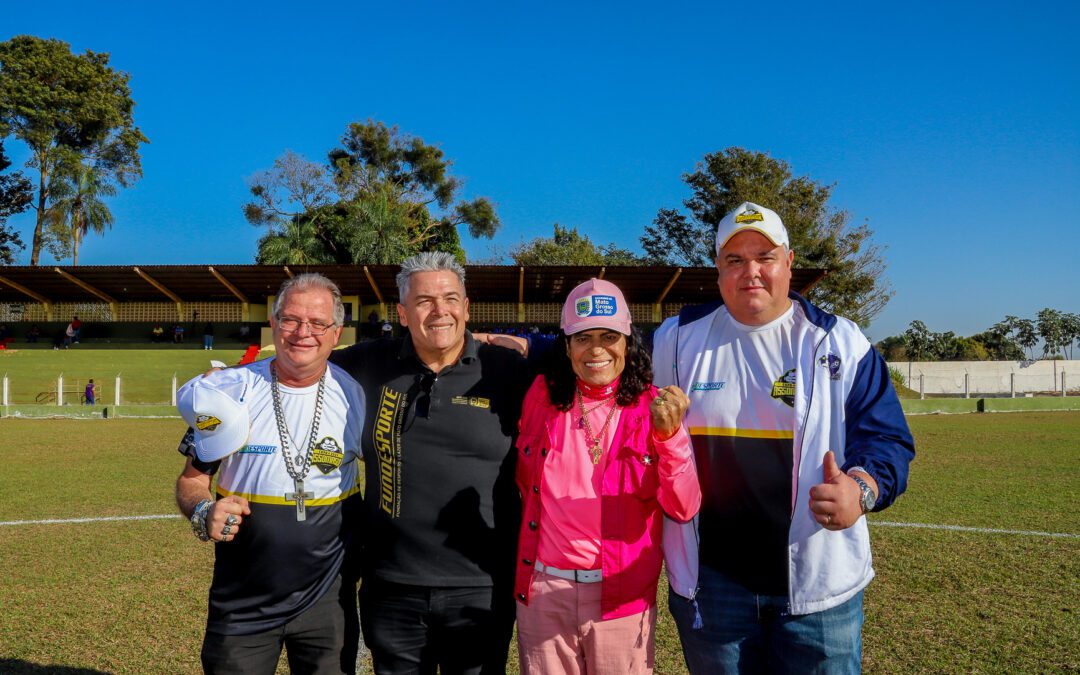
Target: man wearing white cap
{"points": [[797, 434], [283, 437]]}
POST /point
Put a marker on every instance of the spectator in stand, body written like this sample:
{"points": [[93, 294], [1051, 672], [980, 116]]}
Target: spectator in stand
{"points": [[76, 325], [157, 334], [387, 330], [88, 395], [34, 334], [245, 332], [208, 337], [69, 335], [178, 334]]}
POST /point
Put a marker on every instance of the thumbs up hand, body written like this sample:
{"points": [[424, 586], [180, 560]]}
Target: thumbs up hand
{"points": [[836, 501]]}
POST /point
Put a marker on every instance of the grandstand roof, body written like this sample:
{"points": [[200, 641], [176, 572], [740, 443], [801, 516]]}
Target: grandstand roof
{"points": [[373, 283]]}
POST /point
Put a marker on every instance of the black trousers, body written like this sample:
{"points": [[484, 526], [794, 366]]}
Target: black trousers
{"points": [[416, 629], [322, 641]]}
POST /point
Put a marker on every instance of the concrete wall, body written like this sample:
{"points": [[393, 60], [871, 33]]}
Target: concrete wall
{"points": [[989, 377]]}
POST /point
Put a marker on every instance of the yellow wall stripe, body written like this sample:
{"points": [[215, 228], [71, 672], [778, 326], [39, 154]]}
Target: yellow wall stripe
{"points": [[741, 433], [266, 499]]}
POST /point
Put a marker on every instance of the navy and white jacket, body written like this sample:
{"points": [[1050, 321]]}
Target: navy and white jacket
{"points": [[844, 402]]}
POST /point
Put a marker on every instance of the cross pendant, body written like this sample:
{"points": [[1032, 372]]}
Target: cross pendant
{"points": [[299, 496], [596, 452]]}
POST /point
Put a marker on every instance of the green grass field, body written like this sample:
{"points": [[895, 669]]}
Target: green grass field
{"points": [[146, 373], [129, 597]]}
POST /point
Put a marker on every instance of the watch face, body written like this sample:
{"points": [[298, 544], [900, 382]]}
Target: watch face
{"points": [[867, 499]]}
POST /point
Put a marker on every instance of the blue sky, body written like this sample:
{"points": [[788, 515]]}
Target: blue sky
{"points": [[953, 130]]}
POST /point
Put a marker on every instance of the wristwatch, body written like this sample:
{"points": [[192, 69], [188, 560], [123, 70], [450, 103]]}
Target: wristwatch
{"points": [[198, 519], [869, 499]]}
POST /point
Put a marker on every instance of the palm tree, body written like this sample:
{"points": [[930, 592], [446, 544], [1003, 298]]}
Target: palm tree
{"points": [[294, 242], [77, 207]]}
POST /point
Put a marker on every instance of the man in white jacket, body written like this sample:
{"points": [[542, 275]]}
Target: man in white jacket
{"points": [[797, 434]]}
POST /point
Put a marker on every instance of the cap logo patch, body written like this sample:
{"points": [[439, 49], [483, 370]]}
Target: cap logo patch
{"points": [[596, 305], [750, 216], [207, 422]]}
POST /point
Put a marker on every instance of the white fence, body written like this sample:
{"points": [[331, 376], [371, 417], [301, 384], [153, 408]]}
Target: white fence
{"points": [[991, 378]]}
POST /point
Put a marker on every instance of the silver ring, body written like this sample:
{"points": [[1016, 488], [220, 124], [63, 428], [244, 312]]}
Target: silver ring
{"points": [[231, 519], [224, 537], [828, 519], [226, 530]]}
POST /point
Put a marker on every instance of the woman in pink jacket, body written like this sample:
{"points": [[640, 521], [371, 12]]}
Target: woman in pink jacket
{"points": [[602, 455]]}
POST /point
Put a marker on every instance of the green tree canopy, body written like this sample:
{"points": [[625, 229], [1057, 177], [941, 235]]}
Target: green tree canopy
{"points": [[382, 196], [568, 247], [66, 108], [16, 192], [821, 235]]}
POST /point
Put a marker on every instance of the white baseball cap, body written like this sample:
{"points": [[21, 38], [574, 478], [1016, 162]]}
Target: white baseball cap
{"points": [[216, 407], [750, 216]]}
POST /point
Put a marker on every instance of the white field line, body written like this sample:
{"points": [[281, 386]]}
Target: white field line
{"points": [[883, 523], [980, 530], [103, 519]]}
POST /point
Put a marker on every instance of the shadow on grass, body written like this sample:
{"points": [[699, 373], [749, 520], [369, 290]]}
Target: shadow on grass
{"points": [[20, 667]]}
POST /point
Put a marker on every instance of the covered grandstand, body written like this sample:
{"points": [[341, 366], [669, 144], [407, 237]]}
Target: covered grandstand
{"points": [[119, 300]]}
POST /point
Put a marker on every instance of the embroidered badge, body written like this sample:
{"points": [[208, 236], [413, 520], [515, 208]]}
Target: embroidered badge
{"points": [[708, 386], [832, 362], [327, 455], [784, 388]]}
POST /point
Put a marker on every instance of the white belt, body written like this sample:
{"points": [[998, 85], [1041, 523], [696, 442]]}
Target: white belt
{"points": [[580, 576]]}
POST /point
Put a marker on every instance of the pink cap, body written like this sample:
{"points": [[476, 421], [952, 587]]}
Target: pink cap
{"points": [[595, 304]]}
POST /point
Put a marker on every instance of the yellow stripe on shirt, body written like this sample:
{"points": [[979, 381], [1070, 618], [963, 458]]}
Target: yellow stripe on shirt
{"points": [[742, 433]]}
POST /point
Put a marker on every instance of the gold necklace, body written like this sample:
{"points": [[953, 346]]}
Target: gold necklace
{"points": [[594, 441]]}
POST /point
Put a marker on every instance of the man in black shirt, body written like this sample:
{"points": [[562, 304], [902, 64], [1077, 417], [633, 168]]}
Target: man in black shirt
{"points": [[442, 509]]}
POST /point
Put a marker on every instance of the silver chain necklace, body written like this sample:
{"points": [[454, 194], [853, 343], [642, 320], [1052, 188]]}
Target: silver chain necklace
{"points": [[298, 475]]}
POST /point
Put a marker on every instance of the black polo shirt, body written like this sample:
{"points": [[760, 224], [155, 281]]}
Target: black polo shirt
{"points": [[442, 508]]}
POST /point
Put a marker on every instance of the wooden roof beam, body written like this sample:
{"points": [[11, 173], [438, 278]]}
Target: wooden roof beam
{"points": [[36, 296], [25, 291], [227, 284], [114, 306], [158, 285], [374, 286], [658, 306], [521, 295]]}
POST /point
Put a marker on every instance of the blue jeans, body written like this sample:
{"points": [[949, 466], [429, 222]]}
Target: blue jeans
{"points": [[743, 632]]}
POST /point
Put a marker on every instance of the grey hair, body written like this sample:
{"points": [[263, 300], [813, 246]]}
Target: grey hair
{"points": [[307, 282], [429, 261]]}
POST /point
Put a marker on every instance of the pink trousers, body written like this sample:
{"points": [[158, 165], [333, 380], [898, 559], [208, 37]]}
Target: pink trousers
{"points": [[560, 631]]}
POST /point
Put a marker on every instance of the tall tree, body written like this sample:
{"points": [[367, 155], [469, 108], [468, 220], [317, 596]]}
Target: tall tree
{"points": [[568, 247], [918, 341], [16, 193], [821, 235], [1052, 329], [78, 206], [383, 196], [66, 108]]}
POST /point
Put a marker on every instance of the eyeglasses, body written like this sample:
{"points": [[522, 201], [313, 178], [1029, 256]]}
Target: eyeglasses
{"points": [[315, 328]]}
